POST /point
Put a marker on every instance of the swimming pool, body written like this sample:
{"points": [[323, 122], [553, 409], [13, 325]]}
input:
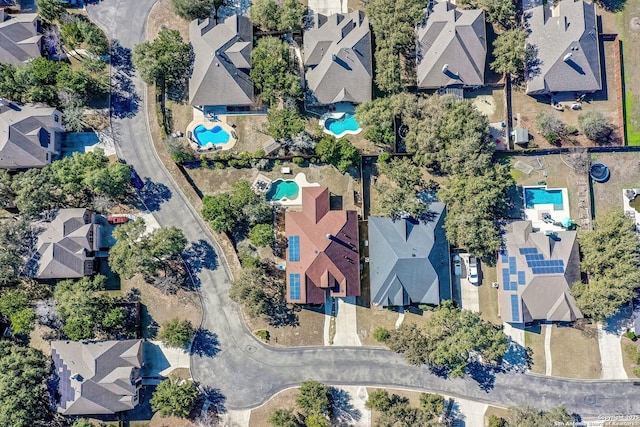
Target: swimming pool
{"points": [[345, 124], [205, 136], [280, 189], [542, 196]]}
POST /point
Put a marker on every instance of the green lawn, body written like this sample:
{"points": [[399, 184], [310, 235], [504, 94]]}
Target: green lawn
{"points": [[633, 133]]}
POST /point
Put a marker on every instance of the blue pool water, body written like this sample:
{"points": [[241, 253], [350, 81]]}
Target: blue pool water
{"points": [[542, 196], [205, 136], [280, 189], [346, 122]]}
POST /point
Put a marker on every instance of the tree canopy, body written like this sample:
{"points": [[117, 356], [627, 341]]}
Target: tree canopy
{"points": [[174, 397], [595, 126], [269, 15], [271, 72], [284, 123], [167, 60], [50, 10], [529, 416], [449, 340], [396, 411], [339, 153], [283, 418], [610, 256], [23, 399], [510, 51], [262, 235], [177, 333], [314, 398], [15, 305], [195, 9], [16, 240], [376, 118]]}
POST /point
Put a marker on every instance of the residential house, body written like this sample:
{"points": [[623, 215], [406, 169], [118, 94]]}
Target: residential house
{"points": [[20, 37], [409, 260], [67, 245], [451, 48], [565, 46], [29, 135], [97, 377], [222, 62], [535, 273], [337, 59], [323, 253]]}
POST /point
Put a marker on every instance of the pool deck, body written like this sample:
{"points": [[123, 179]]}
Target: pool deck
{"points": [[299, 179], [200, 119], [535, 214]]}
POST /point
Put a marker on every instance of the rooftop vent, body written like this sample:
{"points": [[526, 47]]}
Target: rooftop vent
{"points": [[567, 57], [445, 68]]}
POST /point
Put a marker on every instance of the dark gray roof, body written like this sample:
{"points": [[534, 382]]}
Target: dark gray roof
{"points": [[63, 245], [97, 377], [565, 40], [337, 57], [530, 291], [27, 134], [20, 38], [409, 260], [222, 62], [452, 48]]}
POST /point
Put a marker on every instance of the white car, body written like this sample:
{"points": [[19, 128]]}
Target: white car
{"points": [[473, 270], [457, 265]]}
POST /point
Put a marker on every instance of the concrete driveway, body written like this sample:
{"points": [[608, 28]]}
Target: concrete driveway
{"points": [[246, 371]]}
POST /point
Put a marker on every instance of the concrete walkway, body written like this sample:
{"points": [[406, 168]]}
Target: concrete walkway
{"points": [[610, 354], [346, 325], [234, 418], [516, 333], [547, 349], [400, 318]]}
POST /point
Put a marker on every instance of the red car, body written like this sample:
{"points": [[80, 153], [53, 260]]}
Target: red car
{"points": [[112, 219]]}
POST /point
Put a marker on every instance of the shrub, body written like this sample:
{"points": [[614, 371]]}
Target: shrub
{"points": [[495, 421], [552, 138], [177, 333], [571, 130], [263, 334], [381, 334], [247, 258], [636, 371], [298, 160], [548, 123], [595, 126], [631, 335], [384, 158]]}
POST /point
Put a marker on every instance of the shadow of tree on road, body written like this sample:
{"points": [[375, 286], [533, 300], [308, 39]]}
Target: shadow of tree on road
{"points": [[205, 343], [153, 194], [517, 358], [199, 256], [215, 398], [125, 102], [344, 413], [484, 375]]}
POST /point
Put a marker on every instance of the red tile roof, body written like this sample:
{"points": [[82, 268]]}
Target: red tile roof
{"points": [[329, 257]]}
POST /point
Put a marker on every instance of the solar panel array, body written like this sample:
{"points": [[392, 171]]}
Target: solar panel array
{"points": [[515, 308], [294, 248], [539, 265], [512, 277], [66, 391], [294, 286], [522, 278]]}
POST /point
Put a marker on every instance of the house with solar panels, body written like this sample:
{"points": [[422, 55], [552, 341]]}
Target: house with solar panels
{"points": [[322, 256], [98, 377], [535, 273], [409, 260]]}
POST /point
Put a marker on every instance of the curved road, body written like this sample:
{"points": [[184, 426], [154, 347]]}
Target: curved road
{"points": [[246, 371]]}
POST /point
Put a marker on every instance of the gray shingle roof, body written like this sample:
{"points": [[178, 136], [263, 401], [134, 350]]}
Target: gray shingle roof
{"points": [[409, 260], [63, 245], [337, 57], [542, 296], [222, 62], [27, 134], [568, 54], [452, 48], [20, 38], [97, 377]]}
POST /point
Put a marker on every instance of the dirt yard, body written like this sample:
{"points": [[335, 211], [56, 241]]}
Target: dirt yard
{"points": [[488, 296], [490, 101], [309, 332], [574, 353], [369, 319], [283, 400], [625, 173], [525, 107]]}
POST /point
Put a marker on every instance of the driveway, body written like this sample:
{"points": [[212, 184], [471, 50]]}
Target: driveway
{"points": [[246, 371]]}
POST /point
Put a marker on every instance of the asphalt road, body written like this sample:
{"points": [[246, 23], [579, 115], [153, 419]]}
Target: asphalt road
{"points": [[246, 371]]}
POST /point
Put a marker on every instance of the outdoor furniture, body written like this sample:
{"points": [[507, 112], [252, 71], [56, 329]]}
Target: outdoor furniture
{"points": [[285, 170]]}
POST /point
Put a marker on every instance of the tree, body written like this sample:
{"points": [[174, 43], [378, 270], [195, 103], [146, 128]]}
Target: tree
{"points": [[376, 119], [610, 255], [6, 193], [16, 241], [50, 10], [338, 152], [548, 123], [449, 340], [495, 421], [35, 191], [314, 398], [291, 15], [528, 416], [283, 418], [15, 305], [195, 9], [510, 51], [500, 12], [271, 73], [432, 404], [595, 126], [174, 398], [217, 209], [284, 123], [165, 60], [177, 333], [265, 14], [261, 235], [112, 181], [73, 118], [260, 290], [396, 201], [23, 395], [379, 400], [317, 420]]}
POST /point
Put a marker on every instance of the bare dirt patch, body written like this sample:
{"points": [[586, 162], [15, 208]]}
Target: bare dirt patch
{"points": [[163, 16], [369, 319], [309, 332], [490, 101], [250, 130], [625, 173], [283, 400]]}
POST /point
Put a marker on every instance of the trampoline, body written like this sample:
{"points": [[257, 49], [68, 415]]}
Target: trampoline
{"points": [[599, 172]]}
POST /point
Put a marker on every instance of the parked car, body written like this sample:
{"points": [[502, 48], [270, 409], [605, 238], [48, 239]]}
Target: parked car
{"points": [[473, 270], [457, 265], [136, 181], [117, 219]]}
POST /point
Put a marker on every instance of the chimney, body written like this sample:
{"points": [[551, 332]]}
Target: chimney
{"points": [[567, 57], [329, 236], [445, 68]]}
